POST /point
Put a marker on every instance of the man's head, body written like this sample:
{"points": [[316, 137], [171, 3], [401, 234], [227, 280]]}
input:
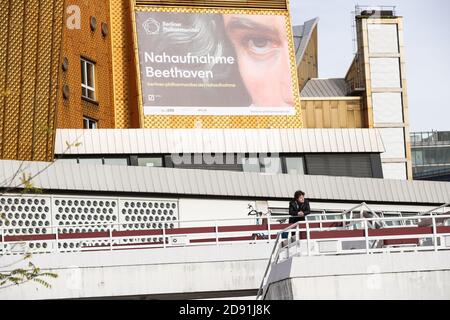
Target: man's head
{"points": [[299, 196], [263, 55]]}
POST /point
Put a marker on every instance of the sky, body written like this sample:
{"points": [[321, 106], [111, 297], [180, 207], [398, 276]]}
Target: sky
{"points": [[427, 51]]}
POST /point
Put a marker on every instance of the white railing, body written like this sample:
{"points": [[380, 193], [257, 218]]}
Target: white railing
{"points": [[364, 235], [114, 236], [111, 236], [445, 209]]}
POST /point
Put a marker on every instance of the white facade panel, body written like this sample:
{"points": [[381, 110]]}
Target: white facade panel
{"points": [[383, 38], [394, 142], [387, 107], [179, 182], [141, 141], [197, 209], [395, 171], [385, 72]]}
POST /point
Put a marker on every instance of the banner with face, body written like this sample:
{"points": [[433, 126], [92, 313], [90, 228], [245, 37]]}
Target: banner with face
{"points": [[214, 64]]}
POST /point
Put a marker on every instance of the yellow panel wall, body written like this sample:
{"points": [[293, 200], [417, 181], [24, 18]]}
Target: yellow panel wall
{"points": [[30, 44], [264, 4], [308, 67], [335, 113]]}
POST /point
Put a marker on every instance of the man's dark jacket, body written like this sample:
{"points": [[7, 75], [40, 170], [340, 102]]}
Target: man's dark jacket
{"points": [[295, 207]]}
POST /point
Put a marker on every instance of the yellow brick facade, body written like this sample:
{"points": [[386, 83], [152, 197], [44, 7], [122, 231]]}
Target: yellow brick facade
{"points": [[30, 47], [93, 46]]}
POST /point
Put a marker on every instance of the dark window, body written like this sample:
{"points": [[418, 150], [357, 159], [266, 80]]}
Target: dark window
{"points": [[216, 161], [89, 123], [347, 165]]}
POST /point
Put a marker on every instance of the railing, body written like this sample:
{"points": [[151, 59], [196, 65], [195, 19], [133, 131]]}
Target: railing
{"points": [[111, 236], [445, 207], [361, 235], [365, 9], [430, 138], [359, 230], [114, 236]]}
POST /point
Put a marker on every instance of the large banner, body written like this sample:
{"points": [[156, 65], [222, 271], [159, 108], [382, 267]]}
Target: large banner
{"points": [[214, 64]]}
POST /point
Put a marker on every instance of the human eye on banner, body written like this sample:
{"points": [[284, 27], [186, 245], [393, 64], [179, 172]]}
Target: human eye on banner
{"points": [[214, 64]]}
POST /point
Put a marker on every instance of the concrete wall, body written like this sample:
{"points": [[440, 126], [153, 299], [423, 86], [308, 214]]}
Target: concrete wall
{"points": [[424, 275], [204, 271]]}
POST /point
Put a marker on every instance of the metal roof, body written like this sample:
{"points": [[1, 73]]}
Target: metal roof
{"points": [[302, 36], [317, 88], [61, 176], [169, 141]]}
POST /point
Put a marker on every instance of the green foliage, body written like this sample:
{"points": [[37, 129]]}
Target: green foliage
{"points": [[20, 275], [28, 186], [71, 145], [32, 273]]}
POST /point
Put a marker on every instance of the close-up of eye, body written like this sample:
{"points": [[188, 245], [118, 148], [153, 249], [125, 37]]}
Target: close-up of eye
{"points": [[259, 45]]}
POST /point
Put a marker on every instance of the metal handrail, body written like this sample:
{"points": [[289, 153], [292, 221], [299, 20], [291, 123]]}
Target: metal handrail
{"points": [[432, 211], [262, 290], [306, 222], [104, 224], [278, 246]]}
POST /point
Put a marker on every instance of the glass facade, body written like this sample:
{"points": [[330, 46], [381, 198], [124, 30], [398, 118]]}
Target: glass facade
{"points": [[349, 165], [150, 162], [116, 161], [295, 165], [430, 153]]}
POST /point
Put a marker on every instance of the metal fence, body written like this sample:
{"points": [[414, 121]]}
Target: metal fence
{"points": [[361, 230]]}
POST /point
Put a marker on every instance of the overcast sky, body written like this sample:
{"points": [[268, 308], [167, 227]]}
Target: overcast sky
{"points": [[427, 45]]}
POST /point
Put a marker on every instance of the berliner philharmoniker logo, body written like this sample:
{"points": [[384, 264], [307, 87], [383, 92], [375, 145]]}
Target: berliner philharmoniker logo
{"points": [[152, 27]]}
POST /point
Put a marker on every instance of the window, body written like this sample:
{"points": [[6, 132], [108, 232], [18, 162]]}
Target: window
{"points": [[295, 165], [87, 79], [264, 164], [116, 161], [251, 164], [89, 123], [340, 165], [97, 161], [68, 161], [270, 164], [150, 162], [417, 157]]}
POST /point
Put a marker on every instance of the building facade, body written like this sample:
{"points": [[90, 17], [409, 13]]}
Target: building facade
{"points": [[30, 50], [94, 165], [98, 81], [431, 155]]}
